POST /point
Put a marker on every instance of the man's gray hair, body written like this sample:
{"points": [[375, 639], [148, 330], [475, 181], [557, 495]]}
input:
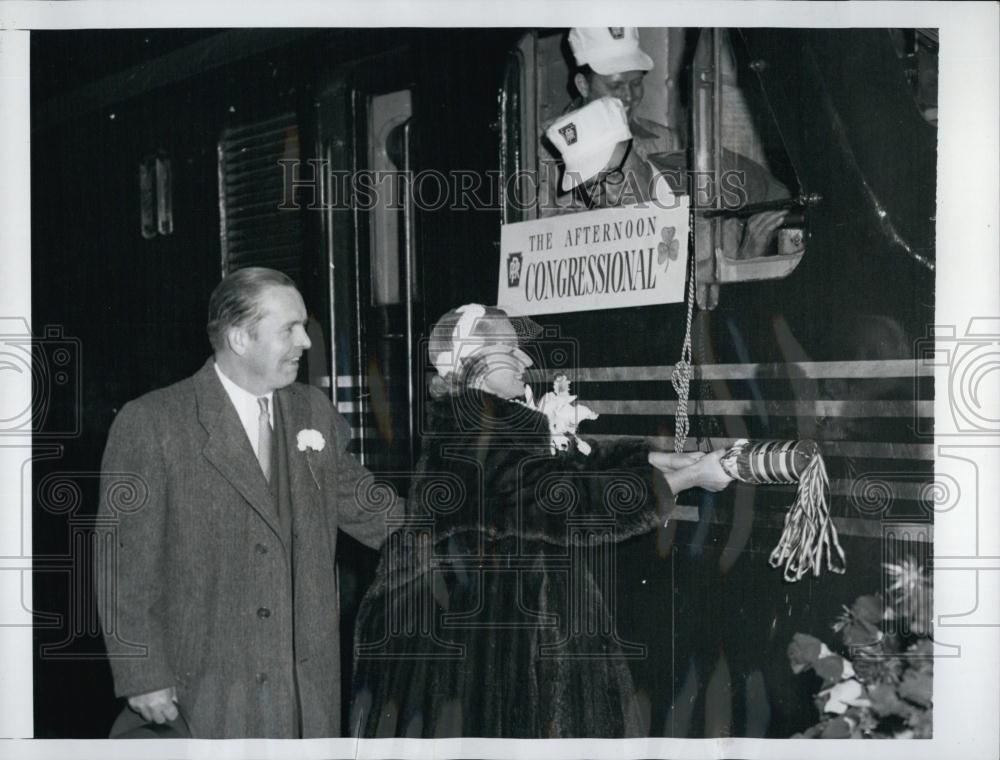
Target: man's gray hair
{"points": [[235, 302]]}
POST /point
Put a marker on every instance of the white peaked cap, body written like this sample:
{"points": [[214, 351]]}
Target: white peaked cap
{"points": [[586, 138], [608, 49]]}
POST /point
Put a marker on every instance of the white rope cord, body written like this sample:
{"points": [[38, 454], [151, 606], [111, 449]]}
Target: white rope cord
{"points": [[680, 378]]}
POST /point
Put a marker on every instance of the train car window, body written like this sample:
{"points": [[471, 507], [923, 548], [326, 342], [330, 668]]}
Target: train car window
{"points": [[254, 231], [751, 224], [748, 128], [703, 96], [388, 115], [656, 115], [540, 86]]}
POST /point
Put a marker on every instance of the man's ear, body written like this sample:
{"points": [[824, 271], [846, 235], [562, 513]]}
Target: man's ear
{"points": [[582, 85], [237, 338]]}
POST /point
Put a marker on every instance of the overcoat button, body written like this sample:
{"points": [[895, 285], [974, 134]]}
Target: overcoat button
{"points": [[263, 612], [261, 549], [261, 677]]}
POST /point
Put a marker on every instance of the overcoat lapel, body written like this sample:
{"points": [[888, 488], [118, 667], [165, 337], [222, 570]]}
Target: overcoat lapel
{"points": [[228, 448], [303, 483]]}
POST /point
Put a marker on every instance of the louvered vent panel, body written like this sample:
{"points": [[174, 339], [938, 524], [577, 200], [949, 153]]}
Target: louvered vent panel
{"points": [[254, 231]]}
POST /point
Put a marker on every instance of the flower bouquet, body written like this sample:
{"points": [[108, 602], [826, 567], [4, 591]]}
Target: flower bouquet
{"points": [[881, 687], [564, 414]]}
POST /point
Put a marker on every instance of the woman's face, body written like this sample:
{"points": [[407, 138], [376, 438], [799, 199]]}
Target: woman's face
{"points": [[502, 365]]}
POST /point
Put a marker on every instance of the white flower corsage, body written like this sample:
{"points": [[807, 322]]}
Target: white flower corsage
{"points": [[310, 439], [564, 415]]}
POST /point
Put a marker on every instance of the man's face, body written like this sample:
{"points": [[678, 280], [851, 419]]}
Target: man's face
{"points": [[626, 86], [605, 189], [274, 346]]}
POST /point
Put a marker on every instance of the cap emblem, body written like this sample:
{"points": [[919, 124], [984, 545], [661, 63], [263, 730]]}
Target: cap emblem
{"points": [[569, 133], [514, 269]]}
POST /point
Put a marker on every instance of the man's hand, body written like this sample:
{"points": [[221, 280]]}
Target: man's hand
{"points": [[704, 472], [156, 706], [757, 233]]}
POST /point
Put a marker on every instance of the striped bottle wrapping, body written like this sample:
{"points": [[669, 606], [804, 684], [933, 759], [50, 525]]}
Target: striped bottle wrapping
{"points": [[769, 462]]}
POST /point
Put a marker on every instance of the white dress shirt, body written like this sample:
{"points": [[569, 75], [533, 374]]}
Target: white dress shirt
{"points": [[247, 407]]}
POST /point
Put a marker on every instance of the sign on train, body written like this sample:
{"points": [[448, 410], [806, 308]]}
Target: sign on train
{"points": [[604, 259]]}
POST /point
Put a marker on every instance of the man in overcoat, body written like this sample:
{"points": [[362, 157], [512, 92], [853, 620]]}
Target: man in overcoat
{"points": [[225, 493]]}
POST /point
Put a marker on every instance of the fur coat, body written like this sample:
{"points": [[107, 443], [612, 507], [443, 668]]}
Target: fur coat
{"points": [[489, 614]]}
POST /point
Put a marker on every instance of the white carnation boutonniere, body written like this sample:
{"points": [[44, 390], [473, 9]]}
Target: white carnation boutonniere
{"points": [[565, 415], [310, 440]]}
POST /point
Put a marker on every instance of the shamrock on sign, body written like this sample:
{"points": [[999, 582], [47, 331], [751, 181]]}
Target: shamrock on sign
{"points": [[669, 246]]}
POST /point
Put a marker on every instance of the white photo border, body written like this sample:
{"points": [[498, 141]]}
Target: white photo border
{"points": [[968, 287]]}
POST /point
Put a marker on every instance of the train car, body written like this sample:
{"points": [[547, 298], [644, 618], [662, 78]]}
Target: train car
{"points": [[383, 171]]}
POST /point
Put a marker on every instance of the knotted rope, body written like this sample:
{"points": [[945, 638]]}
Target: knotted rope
{"points": [[681, 376]]}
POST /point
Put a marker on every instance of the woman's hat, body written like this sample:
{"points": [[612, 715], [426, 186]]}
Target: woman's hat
{"points": [[586, 138], [461, 332], [608, 49]]}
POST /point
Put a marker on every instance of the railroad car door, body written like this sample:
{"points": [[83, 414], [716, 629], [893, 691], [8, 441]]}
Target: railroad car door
{"points": [[366, 136], [365, 148]]}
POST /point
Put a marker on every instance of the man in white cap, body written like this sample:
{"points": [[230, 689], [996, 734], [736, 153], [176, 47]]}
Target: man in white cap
{"points": [[609, 61], [601, 170], [594, 142]]}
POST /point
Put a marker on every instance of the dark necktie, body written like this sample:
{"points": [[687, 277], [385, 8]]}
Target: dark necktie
{"points": [[264, 438]]}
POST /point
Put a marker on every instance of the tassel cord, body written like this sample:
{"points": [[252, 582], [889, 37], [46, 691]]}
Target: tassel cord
{"points": [[809, 532]]}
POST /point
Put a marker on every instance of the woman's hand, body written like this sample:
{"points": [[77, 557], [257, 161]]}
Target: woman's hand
{"points": [[705, 471], [667, 461], [711, 475]]}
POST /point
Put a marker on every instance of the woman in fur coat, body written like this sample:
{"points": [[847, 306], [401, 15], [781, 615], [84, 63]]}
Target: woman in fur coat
{"points": [[487, 616]]}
